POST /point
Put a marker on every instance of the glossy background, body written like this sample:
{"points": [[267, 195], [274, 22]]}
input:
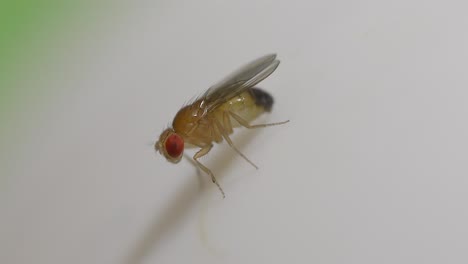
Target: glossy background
{"points": [[372, 167]]}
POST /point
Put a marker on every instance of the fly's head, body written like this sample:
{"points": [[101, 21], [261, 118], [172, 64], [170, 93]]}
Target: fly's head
{"points": [[170, 145]]}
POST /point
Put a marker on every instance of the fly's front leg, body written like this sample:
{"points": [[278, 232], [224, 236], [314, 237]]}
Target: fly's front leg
{"points": [[246, 124], [202, 152]]}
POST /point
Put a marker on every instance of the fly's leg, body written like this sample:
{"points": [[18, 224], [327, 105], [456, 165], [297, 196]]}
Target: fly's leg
{"points": [[246, 124], [202, 152], [227, 123], [225, 135]]}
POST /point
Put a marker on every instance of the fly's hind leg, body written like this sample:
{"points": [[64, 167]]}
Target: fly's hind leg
{"points": [[246, 124], [225, 130], [202, 152]]}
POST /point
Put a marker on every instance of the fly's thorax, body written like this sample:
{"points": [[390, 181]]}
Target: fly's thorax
{"points": [[194, 123], [188, 117]]}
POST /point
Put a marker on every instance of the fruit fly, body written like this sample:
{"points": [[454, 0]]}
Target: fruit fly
{"points": [[210, 118]]}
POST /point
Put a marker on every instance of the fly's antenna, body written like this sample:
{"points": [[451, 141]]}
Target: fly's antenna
{"points": [[157, 146]]}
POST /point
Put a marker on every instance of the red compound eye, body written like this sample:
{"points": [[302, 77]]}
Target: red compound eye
{"points": [[174, 145]]}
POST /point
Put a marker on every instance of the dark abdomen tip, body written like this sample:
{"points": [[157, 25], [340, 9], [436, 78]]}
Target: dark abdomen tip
{"points": [[262, 98]]}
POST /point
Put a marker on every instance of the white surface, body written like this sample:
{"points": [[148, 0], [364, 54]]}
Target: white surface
{"points": [[372, 167]]}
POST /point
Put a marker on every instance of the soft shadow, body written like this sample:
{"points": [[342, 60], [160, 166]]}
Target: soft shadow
{"points": [[167, 220]]}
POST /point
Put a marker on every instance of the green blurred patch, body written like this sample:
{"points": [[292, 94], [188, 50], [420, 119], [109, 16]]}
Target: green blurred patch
{"points": [[25, 29]]}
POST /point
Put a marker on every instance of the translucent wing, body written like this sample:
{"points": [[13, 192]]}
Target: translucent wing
{"points": [[245, 77]]}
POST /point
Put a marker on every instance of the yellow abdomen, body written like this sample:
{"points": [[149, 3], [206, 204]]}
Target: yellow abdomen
{"points": [[248, 105]]}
